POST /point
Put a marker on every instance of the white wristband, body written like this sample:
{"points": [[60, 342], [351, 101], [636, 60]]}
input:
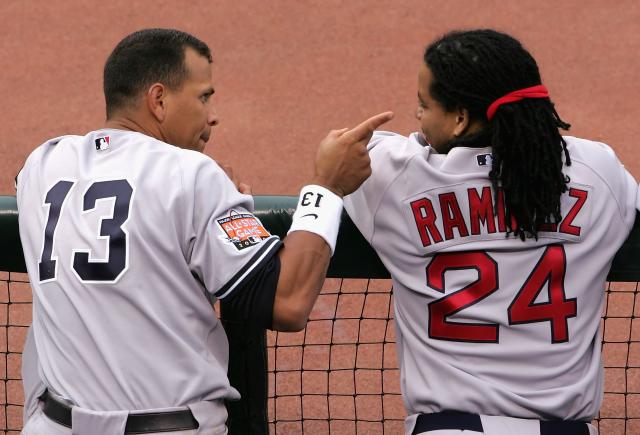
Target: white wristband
{"points": [[318, 211]]}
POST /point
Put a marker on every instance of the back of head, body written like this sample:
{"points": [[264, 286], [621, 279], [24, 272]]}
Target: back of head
{"points": [[145, 57], [471, 70]]}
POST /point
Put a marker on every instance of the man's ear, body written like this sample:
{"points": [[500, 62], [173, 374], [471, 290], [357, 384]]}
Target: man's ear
{"points": [[463, 121], [155, 99]]}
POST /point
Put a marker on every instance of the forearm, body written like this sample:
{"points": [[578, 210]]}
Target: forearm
{"points": [[342, 164], [304, 261]]}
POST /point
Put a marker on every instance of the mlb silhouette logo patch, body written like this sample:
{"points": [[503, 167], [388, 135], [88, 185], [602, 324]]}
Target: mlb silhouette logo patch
{"points": [[484, 159], [242, 229], [102, 143]]}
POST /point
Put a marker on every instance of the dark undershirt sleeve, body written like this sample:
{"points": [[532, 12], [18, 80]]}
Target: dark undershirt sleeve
{"points": [[253, 300]]}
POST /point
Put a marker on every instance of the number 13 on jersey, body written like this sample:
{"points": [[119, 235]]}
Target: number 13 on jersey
{"points": [[98, 271], [523, 309]]}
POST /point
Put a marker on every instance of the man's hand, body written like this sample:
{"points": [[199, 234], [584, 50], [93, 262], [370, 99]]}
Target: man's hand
{"points": [[342, 161], [242, 187]]}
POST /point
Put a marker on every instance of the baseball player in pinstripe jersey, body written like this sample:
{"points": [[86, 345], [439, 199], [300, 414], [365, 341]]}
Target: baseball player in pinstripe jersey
{"points": [[498, 233], [130, 233]]}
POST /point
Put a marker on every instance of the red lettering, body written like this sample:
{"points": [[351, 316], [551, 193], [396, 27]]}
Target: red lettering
{"points": [[452, 216], [549, 272], [439, 326], [481, 210], [425, 218], [565, 225], [482, 215]]}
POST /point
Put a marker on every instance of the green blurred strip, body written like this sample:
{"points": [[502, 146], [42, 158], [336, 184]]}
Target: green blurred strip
{"points": [[353, 258]]}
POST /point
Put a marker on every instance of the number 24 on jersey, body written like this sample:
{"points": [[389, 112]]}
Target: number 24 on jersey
{"points": [[523, 309]]}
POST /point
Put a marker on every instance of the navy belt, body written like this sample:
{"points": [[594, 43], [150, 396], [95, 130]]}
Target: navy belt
{"points": [[466, 421], [149, 422]]}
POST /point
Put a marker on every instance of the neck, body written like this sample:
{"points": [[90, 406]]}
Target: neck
{"points": [[479, 139], [129, 123], [475, 135]]}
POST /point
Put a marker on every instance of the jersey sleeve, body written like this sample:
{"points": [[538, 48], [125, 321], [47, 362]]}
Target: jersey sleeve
{"points": [[228, 244], [33, 160], [631, 197], [622, 186], [386, 151]]}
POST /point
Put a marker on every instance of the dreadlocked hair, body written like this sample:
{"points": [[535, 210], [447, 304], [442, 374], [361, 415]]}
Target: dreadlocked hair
{"points": [[472, 69]]}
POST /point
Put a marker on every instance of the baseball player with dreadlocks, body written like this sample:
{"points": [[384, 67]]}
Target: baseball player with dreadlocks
{"points": [[498, 233]]}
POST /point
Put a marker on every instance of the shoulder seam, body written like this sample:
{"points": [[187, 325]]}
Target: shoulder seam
{"points": [[386, 189], [599, 176]]}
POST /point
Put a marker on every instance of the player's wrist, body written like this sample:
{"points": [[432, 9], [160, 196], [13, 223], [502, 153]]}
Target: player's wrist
{"points": [[323, 182], [319, 211]]}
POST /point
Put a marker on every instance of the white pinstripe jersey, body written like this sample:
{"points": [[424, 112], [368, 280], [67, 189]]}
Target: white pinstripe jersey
{"points": [[127, 241], [485, 323]]}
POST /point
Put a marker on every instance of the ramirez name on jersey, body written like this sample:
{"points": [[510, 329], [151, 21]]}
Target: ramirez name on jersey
{"points": [[465, 212]]}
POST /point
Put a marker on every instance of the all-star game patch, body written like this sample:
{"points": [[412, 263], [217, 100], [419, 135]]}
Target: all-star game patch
{"points": [[242, 229]]}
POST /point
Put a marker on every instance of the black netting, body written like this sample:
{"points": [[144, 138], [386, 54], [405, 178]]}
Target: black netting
{"points": [[340, 374]]}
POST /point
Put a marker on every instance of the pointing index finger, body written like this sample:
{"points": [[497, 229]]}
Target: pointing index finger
{"points": [[367, 127]]}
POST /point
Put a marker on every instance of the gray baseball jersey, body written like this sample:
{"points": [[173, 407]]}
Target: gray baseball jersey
{"points": [[128, 241], [485, 323]]}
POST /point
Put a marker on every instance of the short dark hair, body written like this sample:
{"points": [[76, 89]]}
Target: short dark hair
{"points": [[146, 57], [471, 69]]}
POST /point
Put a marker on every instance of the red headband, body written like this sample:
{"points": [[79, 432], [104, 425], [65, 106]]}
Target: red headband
{"points": [[539, 91]]}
